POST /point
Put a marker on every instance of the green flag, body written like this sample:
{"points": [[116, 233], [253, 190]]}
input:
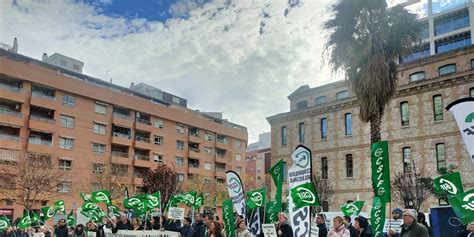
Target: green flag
{"points": [[256, 198], [25, 221], [199, 201], [353, 208], [113, 210], [86, 206], [271, 213], [381, 171], [190, 198], [101, 196], [71, 221], [132, 203], [93, 214], [228, 216], [35, 219], [60, 206], [84, 197], [449, 184], [277, 175], [463, 206], [377, 216], [305, 195], [48, 212], [214, 202], [4, 223]]}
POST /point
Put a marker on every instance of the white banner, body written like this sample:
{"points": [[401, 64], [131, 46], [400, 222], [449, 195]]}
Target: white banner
{"points": [[299, 173], [269, 230], [236, 192], [393, 224], [176, 213], [463, 111]]}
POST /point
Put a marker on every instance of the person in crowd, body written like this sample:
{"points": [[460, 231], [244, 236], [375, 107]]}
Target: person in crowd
{"points": [[339, 229], [46, 231], [410, 227], [361, 224], [61, 230], [155, 223], [468, 230], [242, 230], [79, 231], [173, 225], [283, 227], [109, 222], [9, 232], [187, 230], [40, 232], [349, 226], [93, 227], [321, 223], [31, 231], [215, 229], [136, 224], [199, 226], [396, 215], [422, 220], [123, 224]]}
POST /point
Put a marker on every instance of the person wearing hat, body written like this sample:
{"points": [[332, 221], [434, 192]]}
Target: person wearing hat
{"points": [[396, 215], [410, 227]]}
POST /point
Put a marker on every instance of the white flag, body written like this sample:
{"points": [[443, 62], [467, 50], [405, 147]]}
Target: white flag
{"points": [[463, 111], [236, 192], [255, 223], [299, 173]]}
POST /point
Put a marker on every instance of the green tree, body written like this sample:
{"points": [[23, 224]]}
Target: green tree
{"points": [[366, 38]]}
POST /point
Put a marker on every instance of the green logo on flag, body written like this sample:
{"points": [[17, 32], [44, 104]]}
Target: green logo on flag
{"points": [[352, 209], [4, 223], [302, 159], [450, 184], [234, 185], [469, 118], [101, 196], [381, 171], [377, 216], [304, 195], [71, 221], [463, 206], [60, 205], [256, 198]]}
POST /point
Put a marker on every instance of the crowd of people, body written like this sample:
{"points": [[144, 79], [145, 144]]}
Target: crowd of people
{"points": [[413, 225]]}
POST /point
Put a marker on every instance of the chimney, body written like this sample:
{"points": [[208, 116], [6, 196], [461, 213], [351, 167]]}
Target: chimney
{"points": [[15, 45], [132, 84], [45, 57]]}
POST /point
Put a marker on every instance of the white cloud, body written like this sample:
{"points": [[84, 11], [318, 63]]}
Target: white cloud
{"points": [[243, 57]]}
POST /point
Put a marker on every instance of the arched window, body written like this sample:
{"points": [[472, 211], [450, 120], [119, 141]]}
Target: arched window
{"points": [[302, 104], [417, 76], [447, 69], [321, 100], [342, 95]]}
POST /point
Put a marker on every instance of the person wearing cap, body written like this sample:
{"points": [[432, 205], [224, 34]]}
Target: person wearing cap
{"points": [[396, 215], [410, 227], [283, 227]]}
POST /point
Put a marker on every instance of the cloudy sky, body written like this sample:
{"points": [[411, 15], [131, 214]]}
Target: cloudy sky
{"points": [[240, 57]]}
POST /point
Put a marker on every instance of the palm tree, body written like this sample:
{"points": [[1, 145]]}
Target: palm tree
{"points": [[366, 38]]}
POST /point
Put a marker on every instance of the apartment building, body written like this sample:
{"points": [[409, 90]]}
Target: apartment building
{"points": [[86, 123], [259, 161]]}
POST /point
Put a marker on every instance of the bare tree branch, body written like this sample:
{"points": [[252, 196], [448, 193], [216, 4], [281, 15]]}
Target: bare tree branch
{"points": [[412, 189]]}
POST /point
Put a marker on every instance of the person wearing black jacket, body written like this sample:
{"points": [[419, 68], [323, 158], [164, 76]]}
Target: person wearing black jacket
{"points": [[99, 230], [321, 223], [199, 226], [123, 224], [283, 227], [187, 231], [361, 224], [349, 226], [61, 230]]}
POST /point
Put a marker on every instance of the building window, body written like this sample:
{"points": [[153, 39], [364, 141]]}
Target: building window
{"points": [[238, 169], [237, 143], [417, 76], [348, 124], [99, 128], [285, 171], [179, 161], [321, 100], [158, 158], [324, 128], [471, 92], [407, 160], [100, 108], [324, 167], [69, 101], [284, 134], [98, 168], [159, 140], [452, 43], [451, 23], [180, 129], [64, 187], [180, 177], [404, 113], [238, 157], [208, 137], [472, 63], [440, 156], [341, 95], [66, 143], [207, 181], [349, 166], [302, 104], [447, 69], [438, 107], [301, 132], [207, 166], [95, 187], [98, 149], [159, 123], [179, 145], [67, 121], [65, 164], [208, 150]]}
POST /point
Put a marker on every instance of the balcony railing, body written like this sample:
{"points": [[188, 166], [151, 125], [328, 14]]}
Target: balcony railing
{"points": [[190, 165], [10, 112], [223, 141], [118, 134], [120, 154], [194, 134], [9, 137], [41, 118], [220, 169], [43, 95], [194, 149], [141, 157], [39, 141], [221, 155], [144, 121], [123, 116], [142, 139], [11, 87]]}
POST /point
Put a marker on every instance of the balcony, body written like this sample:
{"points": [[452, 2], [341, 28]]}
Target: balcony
{"points": [[12, 90], [222, 145], [142, 161], [143, 122], [121, 136], [40, 142], [143, 141], [122, 117], [137, 181], [220, 170], [43, 97], [120, 158], [10, 137], [10, 116]]}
